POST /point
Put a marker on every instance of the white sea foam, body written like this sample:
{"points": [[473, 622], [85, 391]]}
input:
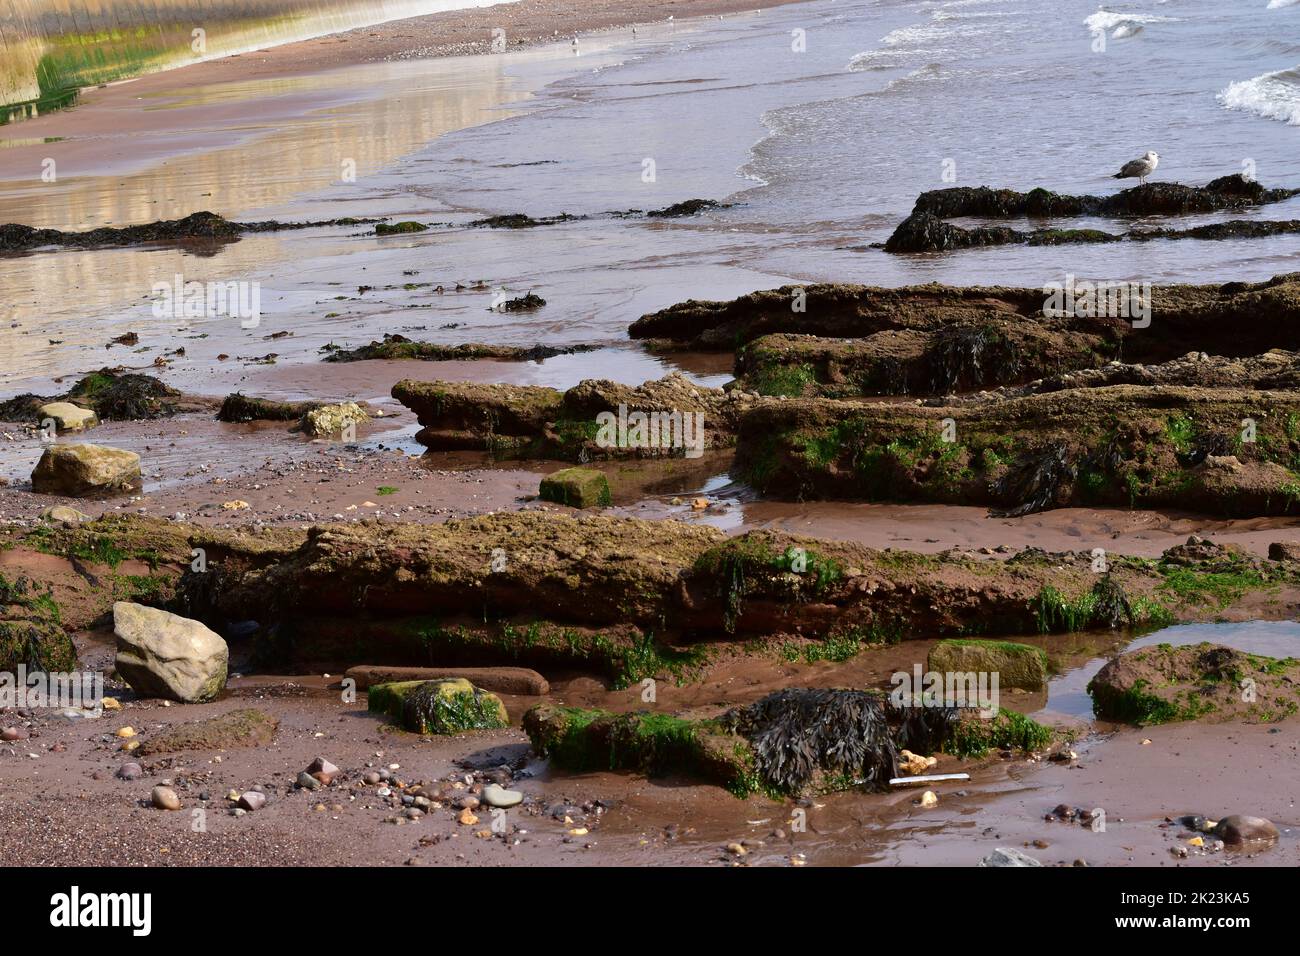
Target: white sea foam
{"points": [[1274, 96], [921, 33], [941, 15], [1279, 4], [892, 59], [1104, 20]]}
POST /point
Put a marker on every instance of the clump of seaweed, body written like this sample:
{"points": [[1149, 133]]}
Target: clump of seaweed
{"points": [[238, 407], [1105, 604], [22, 408], [125, 397], [1111, 607], [115, 396], [799, 734], [959, 356], [689, 207], [1202, 447], [519, 220], [524, 303], [1035, 480]]}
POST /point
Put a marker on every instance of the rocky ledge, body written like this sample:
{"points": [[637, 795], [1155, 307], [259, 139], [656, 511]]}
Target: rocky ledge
{"points": [[926, 231], [625, 598]]}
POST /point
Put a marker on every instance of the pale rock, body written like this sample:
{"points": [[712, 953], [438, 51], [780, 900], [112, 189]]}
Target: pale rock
{"points": [[165, 655]]}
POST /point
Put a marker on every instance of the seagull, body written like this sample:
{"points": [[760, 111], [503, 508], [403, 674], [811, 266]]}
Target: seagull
{"points": [[1141, 168]]}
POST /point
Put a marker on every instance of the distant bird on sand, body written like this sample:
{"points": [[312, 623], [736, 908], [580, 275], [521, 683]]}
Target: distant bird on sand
{"points": [[1139, 168]]}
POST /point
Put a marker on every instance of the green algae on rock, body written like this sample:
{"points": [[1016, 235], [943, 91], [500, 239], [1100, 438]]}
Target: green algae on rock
{"points": [[959, 357], [529, 421], [576, 487], [442, 706], [1164, 683], [1017, 665], [791, 742], [626, 599], [975, 736], [399, 228], [580, 740], [1124, 445], [31, 630]]}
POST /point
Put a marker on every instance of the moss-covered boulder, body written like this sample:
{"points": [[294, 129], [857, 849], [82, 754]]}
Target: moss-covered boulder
{"points": [[31, 630], [444, 706], [577, 488], [1017, 665], [1209, 682], [578, 739]]}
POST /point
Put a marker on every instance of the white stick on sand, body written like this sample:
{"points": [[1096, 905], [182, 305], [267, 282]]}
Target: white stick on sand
{"points": [[933, 778]]}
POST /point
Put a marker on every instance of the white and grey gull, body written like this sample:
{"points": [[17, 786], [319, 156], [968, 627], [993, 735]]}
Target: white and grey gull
{"points": [[1139, 168]]}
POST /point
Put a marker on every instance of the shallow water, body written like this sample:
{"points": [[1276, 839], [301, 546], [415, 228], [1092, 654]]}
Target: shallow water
{"points": [[821, 152]]}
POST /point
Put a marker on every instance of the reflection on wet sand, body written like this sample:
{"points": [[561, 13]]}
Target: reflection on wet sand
{"points": [[291, 136], [375, 115]]}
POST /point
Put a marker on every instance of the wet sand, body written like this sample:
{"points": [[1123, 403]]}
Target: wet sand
{"points": [[62, 803], [148, 105]]}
